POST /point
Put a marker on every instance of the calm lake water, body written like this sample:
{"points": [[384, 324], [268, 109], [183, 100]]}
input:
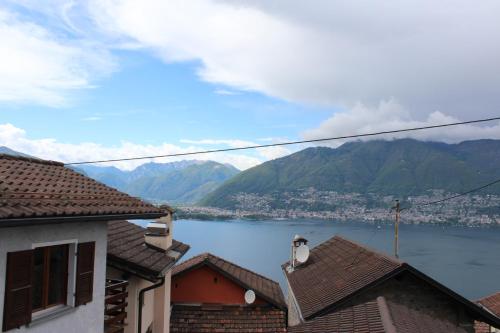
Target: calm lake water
{"points": [[466, 260]]}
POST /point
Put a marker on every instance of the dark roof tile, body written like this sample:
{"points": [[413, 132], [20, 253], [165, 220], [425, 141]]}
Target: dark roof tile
{"points": [[227, 319], [377, 316], [336, 269], [127, 250]]}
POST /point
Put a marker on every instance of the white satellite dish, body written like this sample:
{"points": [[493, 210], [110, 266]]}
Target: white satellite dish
{"points": [[302, 253], [249, 296]]}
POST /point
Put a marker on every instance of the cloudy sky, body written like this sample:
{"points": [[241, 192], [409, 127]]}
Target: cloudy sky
{"points": [[86, 80]]}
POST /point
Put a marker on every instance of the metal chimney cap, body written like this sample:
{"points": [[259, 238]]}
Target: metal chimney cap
{"points": [[299, 238]]}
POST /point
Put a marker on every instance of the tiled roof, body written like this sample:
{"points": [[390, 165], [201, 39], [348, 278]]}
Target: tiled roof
{"points": [[226, 319], [360, 318], [32, 188], [264, 287], [492, 303], [336, 269], [128, 251], [378, 316]]}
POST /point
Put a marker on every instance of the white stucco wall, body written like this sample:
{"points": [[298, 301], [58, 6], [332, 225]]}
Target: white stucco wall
{"points": [[87, 318]]}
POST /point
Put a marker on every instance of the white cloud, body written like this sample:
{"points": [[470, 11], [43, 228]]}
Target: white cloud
{"points": [[226, 92], [39, 66], [268, 153], [390, 115], [48, 148], [429, 55]]}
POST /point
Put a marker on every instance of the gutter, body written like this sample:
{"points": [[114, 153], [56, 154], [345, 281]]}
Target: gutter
{"points": [[141, 300], [25, 221]]}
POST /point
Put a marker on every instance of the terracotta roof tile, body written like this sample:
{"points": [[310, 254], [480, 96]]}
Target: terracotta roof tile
{"points": [[226, 319], [336, 269], [32, 188], [492, 303], [128, 251], [261, 285], [377, 316]]}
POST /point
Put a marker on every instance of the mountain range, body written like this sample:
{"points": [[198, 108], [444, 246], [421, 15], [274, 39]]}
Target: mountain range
{"points": [[176, 182], [402, 167]]}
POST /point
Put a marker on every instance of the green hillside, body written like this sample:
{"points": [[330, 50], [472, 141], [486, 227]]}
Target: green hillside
{"points": [[399, 167], [182, 182]]}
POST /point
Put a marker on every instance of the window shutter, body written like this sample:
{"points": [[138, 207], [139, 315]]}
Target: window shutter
{"points": [[85, 273], [18, 285]]}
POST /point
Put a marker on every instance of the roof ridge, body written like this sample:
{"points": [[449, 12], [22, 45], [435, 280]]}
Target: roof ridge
{"points": [[31, 159], [385, 315], [243, 268]]}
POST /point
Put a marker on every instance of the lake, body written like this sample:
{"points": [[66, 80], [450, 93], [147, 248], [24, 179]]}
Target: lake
{"points": [[466, 260]]}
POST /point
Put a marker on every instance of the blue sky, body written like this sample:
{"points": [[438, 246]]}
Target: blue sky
{"points": [[150, 102], [85, 80]]}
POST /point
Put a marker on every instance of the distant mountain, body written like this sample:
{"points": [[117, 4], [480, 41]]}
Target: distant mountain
{"points": [[400, 167], [177, 182], [8, 151]]}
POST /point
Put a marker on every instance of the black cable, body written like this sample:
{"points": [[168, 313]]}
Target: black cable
{"points": [[289, 143]]}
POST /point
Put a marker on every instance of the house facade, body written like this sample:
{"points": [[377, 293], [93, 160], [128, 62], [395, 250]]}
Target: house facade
{"points": [[211, 294], [345, 283], [53, 245]]}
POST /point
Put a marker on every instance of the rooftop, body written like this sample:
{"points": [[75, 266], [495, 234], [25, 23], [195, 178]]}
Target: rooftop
{"points": [[261, 285], [128, 251], [339, 269], [492, 303], [38, 191], [335, 269]]}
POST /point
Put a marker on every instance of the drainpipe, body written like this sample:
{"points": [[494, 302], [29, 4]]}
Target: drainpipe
{"points": [[141, 300]]}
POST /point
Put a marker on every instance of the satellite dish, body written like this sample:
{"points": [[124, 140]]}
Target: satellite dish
{"points": [[302, 253], [249, 296]]}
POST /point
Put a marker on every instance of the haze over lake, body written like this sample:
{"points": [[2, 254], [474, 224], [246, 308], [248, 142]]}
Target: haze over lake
{"points": [[467, 260]]}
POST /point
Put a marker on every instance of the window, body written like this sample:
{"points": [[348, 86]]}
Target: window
{"points": [[38, 279], [50, 276]]}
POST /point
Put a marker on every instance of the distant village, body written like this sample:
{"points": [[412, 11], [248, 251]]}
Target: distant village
{"points": [[468, 210]]}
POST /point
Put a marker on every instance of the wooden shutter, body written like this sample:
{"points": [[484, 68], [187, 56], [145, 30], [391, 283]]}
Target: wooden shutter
{"points": [[85, 273], [18, 285]]}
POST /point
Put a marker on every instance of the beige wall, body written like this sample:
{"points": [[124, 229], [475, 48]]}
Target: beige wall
{"points": [[156, 308], [162, 306]]}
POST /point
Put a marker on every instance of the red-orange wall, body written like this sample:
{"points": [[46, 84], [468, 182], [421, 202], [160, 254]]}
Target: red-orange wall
{"points": [[199, 286]]}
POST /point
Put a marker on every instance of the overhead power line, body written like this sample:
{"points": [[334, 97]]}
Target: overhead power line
{"points": [[454, 196], [289, 142]]}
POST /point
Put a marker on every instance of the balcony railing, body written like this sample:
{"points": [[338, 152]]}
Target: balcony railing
{"points": [[115, 306]]}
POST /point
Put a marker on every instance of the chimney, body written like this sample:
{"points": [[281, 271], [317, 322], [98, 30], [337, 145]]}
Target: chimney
{"points": [[299, 256], [159, 232]]}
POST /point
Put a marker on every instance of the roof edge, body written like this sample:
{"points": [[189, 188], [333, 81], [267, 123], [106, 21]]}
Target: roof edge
{"points": [[31, 159], [20, 221]]}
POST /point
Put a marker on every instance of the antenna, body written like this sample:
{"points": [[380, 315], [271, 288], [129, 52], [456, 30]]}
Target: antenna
{"points": [[397, 208], [302, 253], [249, 296]]}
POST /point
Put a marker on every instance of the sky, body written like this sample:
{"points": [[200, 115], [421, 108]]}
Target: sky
{"points": [[90, 80]]}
